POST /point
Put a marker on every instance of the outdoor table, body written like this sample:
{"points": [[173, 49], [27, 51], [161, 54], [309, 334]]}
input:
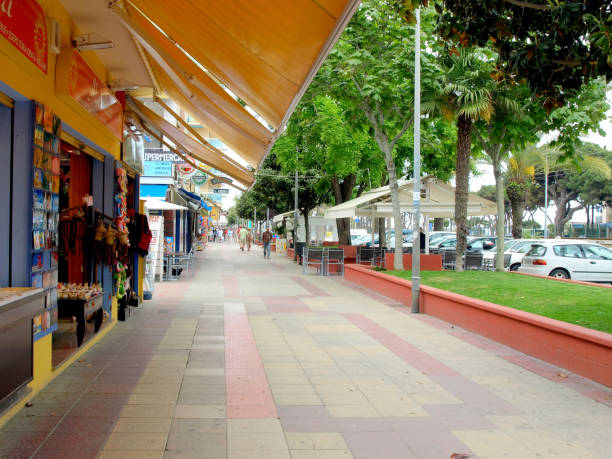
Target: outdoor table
{"points": [[81, 309]]}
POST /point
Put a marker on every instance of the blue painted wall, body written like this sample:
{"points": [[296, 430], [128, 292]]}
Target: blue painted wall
{"points": [[6, 150], [97, 190], [21, 193], [108, 209]]}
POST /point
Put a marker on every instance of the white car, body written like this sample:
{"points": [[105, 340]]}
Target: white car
{"points": [[565, 259], [517, 251]]}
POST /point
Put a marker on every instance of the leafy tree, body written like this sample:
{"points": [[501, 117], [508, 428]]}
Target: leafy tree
{"points": [[297, 150], [520, 176], [371, 67], [554, 46], [346, 151], [465, 94]]}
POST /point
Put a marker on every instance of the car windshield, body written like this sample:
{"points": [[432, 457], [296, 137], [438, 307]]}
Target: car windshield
{"points": [[597, 252], [509, 244], [537, 251], [523, 248]]}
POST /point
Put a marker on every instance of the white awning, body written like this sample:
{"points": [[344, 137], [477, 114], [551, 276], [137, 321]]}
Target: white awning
{"points": [[437, 200], [160, 204]]}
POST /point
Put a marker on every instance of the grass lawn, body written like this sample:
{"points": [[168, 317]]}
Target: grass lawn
{"points": [[582, 305]]}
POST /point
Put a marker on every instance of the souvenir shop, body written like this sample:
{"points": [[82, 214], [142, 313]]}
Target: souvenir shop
{"points": [[70, 217]]}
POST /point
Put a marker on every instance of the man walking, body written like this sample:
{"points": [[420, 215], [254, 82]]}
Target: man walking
{"points": [[242, 235], [266, 238]]}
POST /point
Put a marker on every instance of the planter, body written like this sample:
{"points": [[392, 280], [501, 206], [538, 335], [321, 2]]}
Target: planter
{"points": [[428, 262], [581, 350], [291, 253], [350, 253]]}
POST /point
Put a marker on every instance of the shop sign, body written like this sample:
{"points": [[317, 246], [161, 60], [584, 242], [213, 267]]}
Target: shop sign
{"points": [[221, 190], [157, 169], [76, 79], [199, 178], [214, 213], [164, 156], [23, 23], [185, 169]]}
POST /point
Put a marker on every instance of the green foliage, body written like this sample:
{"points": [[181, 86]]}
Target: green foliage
{"points": [[553, 46]]}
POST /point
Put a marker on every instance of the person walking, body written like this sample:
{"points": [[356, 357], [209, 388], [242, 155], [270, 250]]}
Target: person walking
{"points": [[242, 236], [249, 240], [266, 238]]}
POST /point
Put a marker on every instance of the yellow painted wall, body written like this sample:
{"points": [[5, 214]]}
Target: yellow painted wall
{"points": [[24, 77]]}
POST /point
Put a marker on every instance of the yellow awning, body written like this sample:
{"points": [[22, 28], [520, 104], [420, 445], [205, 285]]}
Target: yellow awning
{"points": [[204, 153], [234, 135], [265, 51]]}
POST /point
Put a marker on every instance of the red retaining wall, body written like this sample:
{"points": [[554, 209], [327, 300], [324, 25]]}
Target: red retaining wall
{"points": [[581, 350], [428, 262]]}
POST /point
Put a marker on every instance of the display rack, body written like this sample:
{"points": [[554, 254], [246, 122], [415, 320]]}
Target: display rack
{"points": [[45, 214]]}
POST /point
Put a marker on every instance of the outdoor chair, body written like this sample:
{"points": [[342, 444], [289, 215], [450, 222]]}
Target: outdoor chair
{"points": [[449, 258], [334, 257], [472, 261], [299, 251], [365, 256], [312, 257], [180, 264], [379, 256]]}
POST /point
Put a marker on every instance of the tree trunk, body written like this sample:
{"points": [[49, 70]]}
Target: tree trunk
{"points": [[499, 197], [398, 259], [438, 224], [464, 150], [306, 227], [518, 205], [343, 192], [382, 235], [343, 226]]}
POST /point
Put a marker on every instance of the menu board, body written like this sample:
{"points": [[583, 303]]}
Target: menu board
{"points": [[45, 214]]}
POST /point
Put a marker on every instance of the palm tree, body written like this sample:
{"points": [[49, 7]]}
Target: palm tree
{"points": [[523, 165], [466, 95], [520, 175]]}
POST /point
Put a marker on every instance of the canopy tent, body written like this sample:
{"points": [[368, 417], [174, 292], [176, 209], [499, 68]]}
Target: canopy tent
{"points": [[205, 54], [437, 200]]}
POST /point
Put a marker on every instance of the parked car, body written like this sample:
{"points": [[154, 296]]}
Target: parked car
{"points": [[567, 259], [516, 248]]}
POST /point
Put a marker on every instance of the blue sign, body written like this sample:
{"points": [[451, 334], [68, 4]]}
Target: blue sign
{"points": [[157, 169]]}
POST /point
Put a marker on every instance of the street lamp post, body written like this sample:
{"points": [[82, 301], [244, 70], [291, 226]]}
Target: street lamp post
{"points": [[416, 194]]}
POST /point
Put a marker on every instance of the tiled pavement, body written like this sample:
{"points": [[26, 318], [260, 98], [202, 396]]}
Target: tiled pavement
{"points": [[250, 359]]}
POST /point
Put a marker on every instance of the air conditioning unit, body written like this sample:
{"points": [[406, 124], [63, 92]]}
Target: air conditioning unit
{"points": [[55, 36]]}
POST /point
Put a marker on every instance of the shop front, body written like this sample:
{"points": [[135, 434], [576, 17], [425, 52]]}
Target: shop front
{"points": [[63, 182]]}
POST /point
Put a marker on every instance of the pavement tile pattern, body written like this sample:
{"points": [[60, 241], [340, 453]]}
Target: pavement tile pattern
{"points": [[249, 358]]}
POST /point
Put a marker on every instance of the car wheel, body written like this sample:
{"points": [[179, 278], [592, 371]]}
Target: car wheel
{"points": [[559, 274], [515, 267]]}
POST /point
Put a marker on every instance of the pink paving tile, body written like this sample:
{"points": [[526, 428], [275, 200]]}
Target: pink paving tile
{"points": [[601, 396], [482, 343], [244, 372], [289, 309], [535, 366], [230, 286], [411, 354], [312, 289]]}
